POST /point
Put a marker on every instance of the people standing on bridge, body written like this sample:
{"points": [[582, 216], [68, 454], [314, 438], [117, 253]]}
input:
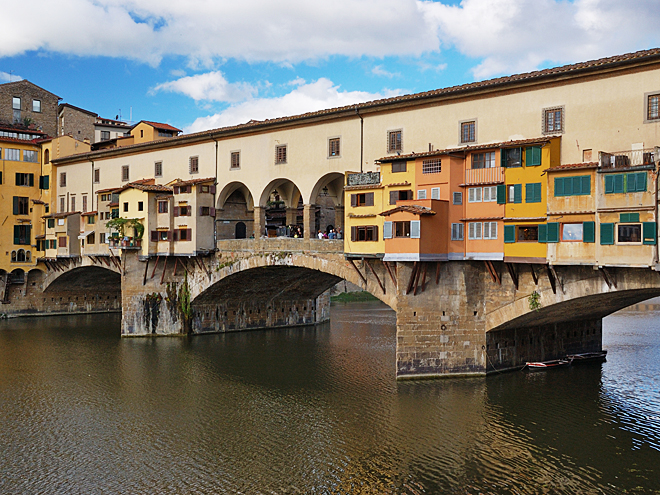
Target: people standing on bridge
{"points": [[338, 233], [320, 235]]}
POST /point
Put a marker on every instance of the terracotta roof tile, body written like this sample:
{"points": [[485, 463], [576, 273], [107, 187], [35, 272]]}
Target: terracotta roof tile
{"points": [[105, 191], [573, 166], [159, 125], [192, 182], [415, 209]]}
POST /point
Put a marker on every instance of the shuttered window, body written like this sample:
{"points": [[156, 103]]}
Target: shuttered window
{"points": [[457, 197], [362, 199], [579, 185], [509, 233], [364, 233], [543, 233], [387, 230], [511, 157], [533, 156], [629, 217], [650, 235], [415, 229], [501, 194], [552, 232], [421, 194], [435, 193], [625, 183], [474, 230], [606, 233], [533, 193], [589, 232], [456, 231], [515, 193]]}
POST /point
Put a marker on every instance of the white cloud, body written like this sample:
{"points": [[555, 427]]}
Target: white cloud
{"points": [[211, 86], [380, 71], [519, 35], [310, 97], [7, 77]]}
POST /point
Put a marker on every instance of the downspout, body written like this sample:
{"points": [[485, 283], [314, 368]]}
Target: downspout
{"points": [[92, 208], [357, 112], [215, 227], [656, 155]]}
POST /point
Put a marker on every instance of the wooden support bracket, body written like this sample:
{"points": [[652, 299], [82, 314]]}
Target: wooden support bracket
{"points": [[552, 278], [350, 260], [162, 277], [534, 275], [559, 282], [389, 270], [176, 263], [146, 270], [411, 282], [607, 276], [419, 271], [512, 272], [493, 273], [382, 287], [437, 273], [155, 266], [424, 276]]}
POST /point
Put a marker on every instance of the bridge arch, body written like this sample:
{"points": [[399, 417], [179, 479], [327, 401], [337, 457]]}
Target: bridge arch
{"points": [[83, 278], [287, 190]]}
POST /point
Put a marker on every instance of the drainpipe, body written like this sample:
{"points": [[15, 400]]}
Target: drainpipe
{"points": [[215, 227], [656, 155], [92, 195], [357, 112]]}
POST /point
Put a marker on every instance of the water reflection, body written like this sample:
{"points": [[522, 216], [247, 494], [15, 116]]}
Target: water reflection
{"points": [[314, 410]]}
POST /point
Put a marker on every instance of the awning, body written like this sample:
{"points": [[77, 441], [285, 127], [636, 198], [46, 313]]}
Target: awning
{"points": [[85, 234]]}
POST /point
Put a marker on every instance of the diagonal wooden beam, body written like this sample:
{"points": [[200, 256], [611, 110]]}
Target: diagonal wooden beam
{"points": [[389, 270], [146, 270], [551, 278], [419, 271], [162, 277], [534, 275], [155, 266], [411, 282], [176, 263], [607, 276], [382, 287], [512, 272], [554, 272], [350, 260], [493, 273], [437, 273], [424, 276]]}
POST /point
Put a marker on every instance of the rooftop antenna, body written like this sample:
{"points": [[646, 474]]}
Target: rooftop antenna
{"points": [[130, 115], [10, 74]]}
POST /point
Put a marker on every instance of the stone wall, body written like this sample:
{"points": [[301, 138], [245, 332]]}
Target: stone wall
{"points": [[46, 120], [77, 123], [234, 211]]}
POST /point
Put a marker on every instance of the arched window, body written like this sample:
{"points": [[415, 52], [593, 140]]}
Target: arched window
{"points": [[20, 255], [28, 256], [47, 156], [18, 276], [13, 256]]}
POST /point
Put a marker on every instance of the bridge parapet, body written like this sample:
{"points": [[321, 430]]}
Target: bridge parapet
{"points": [[282, 244]]}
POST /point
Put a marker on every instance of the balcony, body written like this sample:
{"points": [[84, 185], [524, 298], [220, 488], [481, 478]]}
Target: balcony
{"points": [[130, 243], [628, 159], [492, 175]]}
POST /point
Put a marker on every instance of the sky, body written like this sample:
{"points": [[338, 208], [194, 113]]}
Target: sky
{"points": [[203, 64]]}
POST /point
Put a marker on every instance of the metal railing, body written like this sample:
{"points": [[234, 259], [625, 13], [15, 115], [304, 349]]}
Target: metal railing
{"points": [[116, 242], [627, 159]]}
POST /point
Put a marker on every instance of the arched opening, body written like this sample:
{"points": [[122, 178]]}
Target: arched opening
{"points": [[17, 276], [328, 199], [47, 157], [281, 210], [234, 206]]}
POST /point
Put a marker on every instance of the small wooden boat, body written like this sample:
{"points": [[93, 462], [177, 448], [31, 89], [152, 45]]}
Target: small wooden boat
{"points": [[587, 357], [547, 365]]}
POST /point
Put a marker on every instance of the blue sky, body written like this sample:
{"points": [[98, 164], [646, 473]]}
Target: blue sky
{"points": [[205, 64]]}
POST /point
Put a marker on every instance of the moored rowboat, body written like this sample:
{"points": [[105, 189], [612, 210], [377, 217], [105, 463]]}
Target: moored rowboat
{"points": [[587, 357], [546, 365]]}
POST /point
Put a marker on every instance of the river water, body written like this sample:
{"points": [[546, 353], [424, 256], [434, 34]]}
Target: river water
{"points": [[314, 411]]}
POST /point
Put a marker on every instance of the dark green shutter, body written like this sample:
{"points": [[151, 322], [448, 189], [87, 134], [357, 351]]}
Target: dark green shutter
{"points": [[629, 217], [538, 193], [509, 233], [630, 185], [609, 184], [568, 186], [586, 185], [618, 183], [529, 193], [553, 232], [649, 235], [28, 234], [31, 179], [543, 233], [517, 193], [17, 233], [501, 194], [641, 182], [606, 233], [533, 156], [502, 158], [559, 186], [15, 205], [589, 232]]}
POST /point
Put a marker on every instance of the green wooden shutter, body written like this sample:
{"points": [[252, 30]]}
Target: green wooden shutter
{"points": [[17, 233], [629, 217], [618, 183], [649, 235], [589, 232], [533, 156], [15, 205], [501, 194], [28, 234], [502, 158], [543, 233], [31, 180], [606, 233], [586, 185], [568, 186], [517, 193], [609, 184], [553, 232], [509, 233], [559, 186], [538, 193], [529, 193], [641, 182], [630, 183]]}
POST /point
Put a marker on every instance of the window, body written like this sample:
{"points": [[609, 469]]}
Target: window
{"points": [[182, 211], [653, 107], [51, 223], [97, 175], [629, 233], [365, 233], [62, 179], [333, 147], [158, 169], [579, 185], [62, 204], [515, 193], [141, 133], [60, 222], [84, 203], [185, 234], [24, 179], [400, 196], [483, 160], [193, 164], [457, 198], [91, 219], [165, 133], [13, 154], [102, 238], [280, 154], [394, 141], [61, 242], [140, 205], [125, 207], [435, 193], [456, 231], [73, 203], [625, 183], [490, 194], [553, 120], [36, 106], [16, 103], [533, 156], [21, 205], [528, 233], [105, 135], [421, 194], [164, 235], [30, 156], [571, 232], [22, 235], [490, 230], [431, 166], [512, 157], [124, 173], [474, 195], [468, 131], [91, 238], [399, 167], [363, 199], [474, 230], [205, 211], [235, 159], [46, 157], [163, 206], [533, 193], [401, 229]]}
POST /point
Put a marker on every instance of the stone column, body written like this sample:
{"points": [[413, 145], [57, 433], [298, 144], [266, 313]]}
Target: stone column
{"points": [[308, 221], [259, 221], [339, 217], [291, 214]]}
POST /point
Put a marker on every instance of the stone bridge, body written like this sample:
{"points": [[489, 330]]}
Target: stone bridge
{"points": [[454, 318]]}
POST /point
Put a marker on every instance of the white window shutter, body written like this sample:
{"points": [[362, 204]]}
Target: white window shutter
{"points": [[415, 229], [493, 230], [421, 194], [486, 230], [471, 230], [471, 195], [435, 193], [387, 230], [478, 194]]}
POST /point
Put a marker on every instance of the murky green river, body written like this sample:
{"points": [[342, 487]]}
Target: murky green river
{"points": [[315, 411]]}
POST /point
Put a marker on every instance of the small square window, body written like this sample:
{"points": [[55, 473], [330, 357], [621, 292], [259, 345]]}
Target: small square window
{"points": [[653, 107], [140, 206], [16, 103], [457, 198], [333, 147], [394, 140], [97, 175], [235, 160], [194, 164], [36, 106], [158, 169], [62, 179], [280, 154], [469, 131], [125, 207], [553, 120], [124, 173], [105, 135]]}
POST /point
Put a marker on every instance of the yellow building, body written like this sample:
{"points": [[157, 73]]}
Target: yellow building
{"points": [[363, 225], [525, 192]]}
